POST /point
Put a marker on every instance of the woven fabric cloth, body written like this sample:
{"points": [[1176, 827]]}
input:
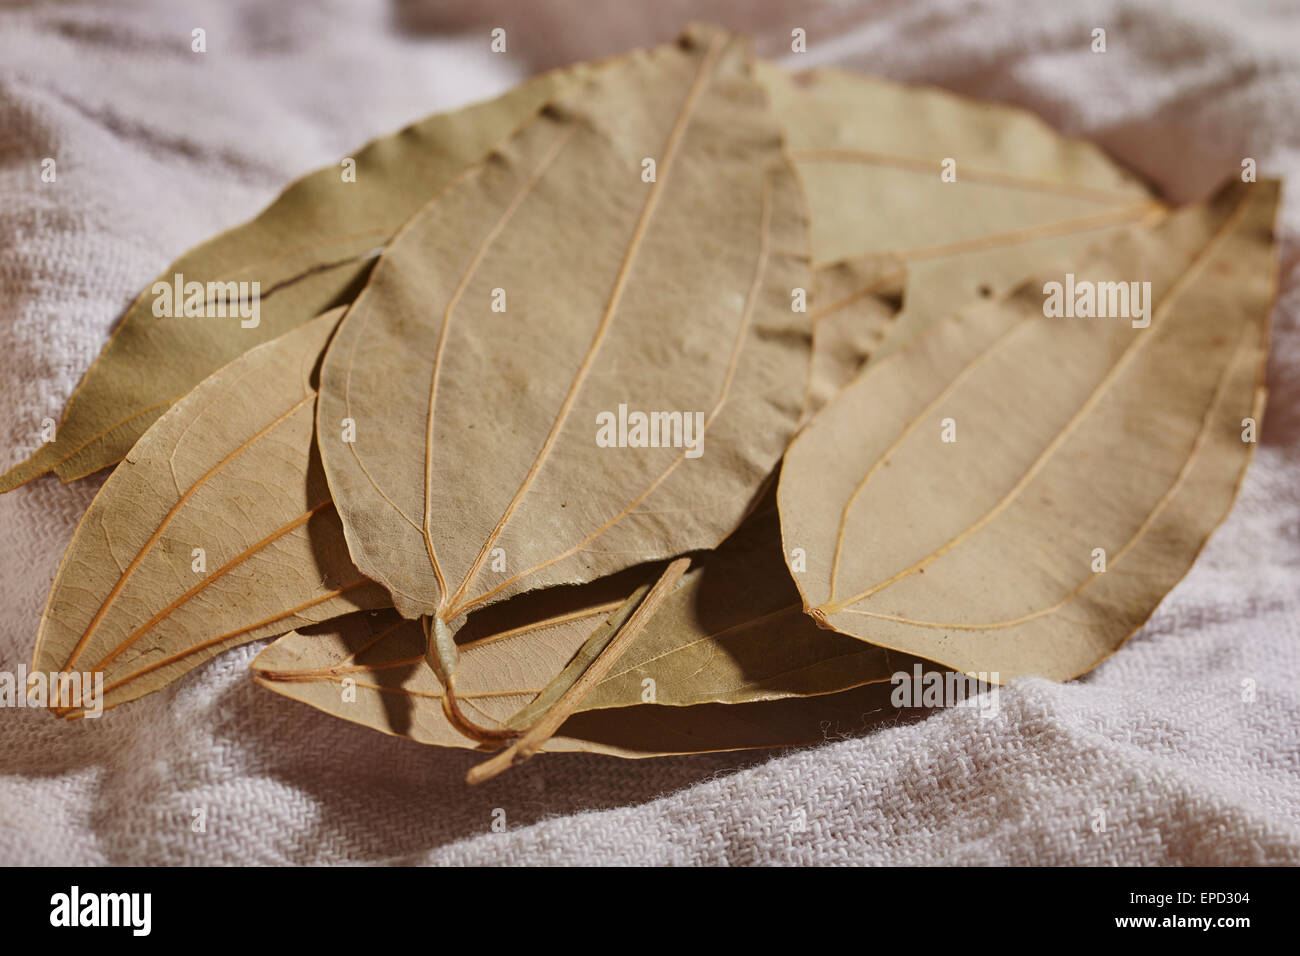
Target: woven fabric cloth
{"points": [[158, 148]]}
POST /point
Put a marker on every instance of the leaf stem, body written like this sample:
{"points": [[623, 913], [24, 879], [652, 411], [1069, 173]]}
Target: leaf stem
{"points": [[443, 657], [545, 728]]}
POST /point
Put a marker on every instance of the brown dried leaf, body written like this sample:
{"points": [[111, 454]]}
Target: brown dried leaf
{"points": [[870, 155], [475, 430], [1073, 434], [230, 469], [309, 250]]}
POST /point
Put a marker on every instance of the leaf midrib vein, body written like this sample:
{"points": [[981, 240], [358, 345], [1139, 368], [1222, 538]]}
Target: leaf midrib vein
{"points": [[450, 607], [489, 238], [760, 273]]}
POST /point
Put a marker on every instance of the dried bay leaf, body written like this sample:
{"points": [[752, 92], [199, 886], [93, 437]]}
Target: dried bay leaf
{"points": [[602, 651], [475, 430], [870, 155], [309, 250], [735, 632], [1073, 434], [216, 530]]}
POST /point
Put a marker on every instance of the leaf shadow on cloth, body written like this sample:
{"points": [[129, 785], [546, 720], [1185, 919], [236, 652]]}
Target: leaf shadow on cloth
{"points": [[388, 799]]}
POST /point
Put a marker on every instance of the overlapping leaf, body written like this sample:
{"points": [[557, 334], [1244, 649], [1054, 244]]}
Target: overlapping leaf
{"points": [[474, 472], [309, 250], [1091, 459], [218, 529], [733, 632], [870, 155]]}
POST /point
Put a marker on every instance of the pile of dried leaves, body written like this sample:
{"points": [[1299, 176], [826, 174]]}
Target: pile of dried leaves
{"points": [[497, 451]]}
